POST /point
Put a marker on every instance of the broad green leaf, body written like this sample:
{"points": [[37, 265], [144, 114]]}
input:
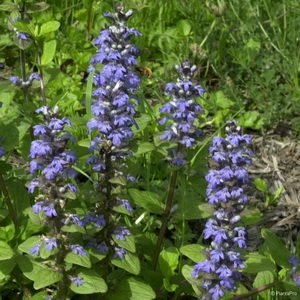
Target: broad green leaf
{"points": [[128, 243], [194, 282], [29, 243], [46, 277], [256, 262], [48, 52], [144, 148], [170, 287], [96, 256], [149, 201], [261, 279], [184, 27], [130, 263], [132, 289], [142, 123], [37, 272], [93, 283], [252, 119], [5, 251], [49, 27], [278, 251], [221, 100], [8, 6], [193, 252], [36, 7], [6, 266], [168, 261], [77, 259]]}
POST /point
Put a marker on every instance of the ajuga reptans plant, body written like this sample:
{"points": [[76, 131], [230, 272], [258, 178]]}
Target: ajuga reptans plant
{"points": [[52, 163], [113, 109], [227, 192], [182, 120]]}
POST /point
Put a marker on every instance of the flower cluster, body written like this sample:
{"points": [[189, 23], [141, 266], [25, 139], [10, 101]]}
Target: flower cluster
{"points": [[53, 164], [182, 112], [113, 110], [227, 192]]}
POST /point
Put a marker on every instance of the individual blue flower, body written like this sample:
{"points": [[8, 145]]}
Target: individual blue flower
{"points": [[120, 252], [77, 249], [182, 113], [121, 233], [77, 280], [227, 183], [50, 243], [35, 250]]}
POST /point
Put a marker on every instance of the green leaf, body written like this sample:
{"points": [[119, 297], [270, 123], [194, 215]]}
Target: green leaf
{"points": [[168, 261], [128, 243], [184, 27], [6, 266], [88, 94], [261, 185], [38, 296], [278, 251], [221, 100], [132, 289], [5, 251], [46, 277], [252, 119], [48, 52], [193, 252], [144, 148], [49, 26], [263, 278], [29, 243], [77, 259], [149, 201], [195, 283], [130, 263], [37, 272], [36, 7], [170, 287], [93, 283], [256, 262], [8, 6]]}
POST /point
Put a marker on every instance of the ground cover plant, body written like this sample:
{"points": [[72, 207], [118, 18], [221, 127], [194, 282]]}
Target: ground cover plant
{"points": [[148, 149]]}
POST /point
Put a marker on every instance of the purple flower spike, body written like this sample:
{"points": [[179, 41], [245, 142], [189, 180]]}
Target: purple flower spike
{"points": [[115, 84], [227, 184], [182, 113]]}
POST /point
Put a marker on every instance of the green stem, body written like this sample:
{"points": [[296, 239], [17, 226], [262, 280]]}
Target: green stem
{"points": [[8, 202], [256, 291], [41, 74], [165, 218], [90, 17], [23, 60]]}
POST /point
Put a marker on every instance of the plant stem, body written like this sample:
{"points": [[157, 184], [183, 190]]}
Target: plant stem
{"points": [[42, 83], [165, 218], [23, 60], [8, 202], [90, 17], [256, 291]]}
